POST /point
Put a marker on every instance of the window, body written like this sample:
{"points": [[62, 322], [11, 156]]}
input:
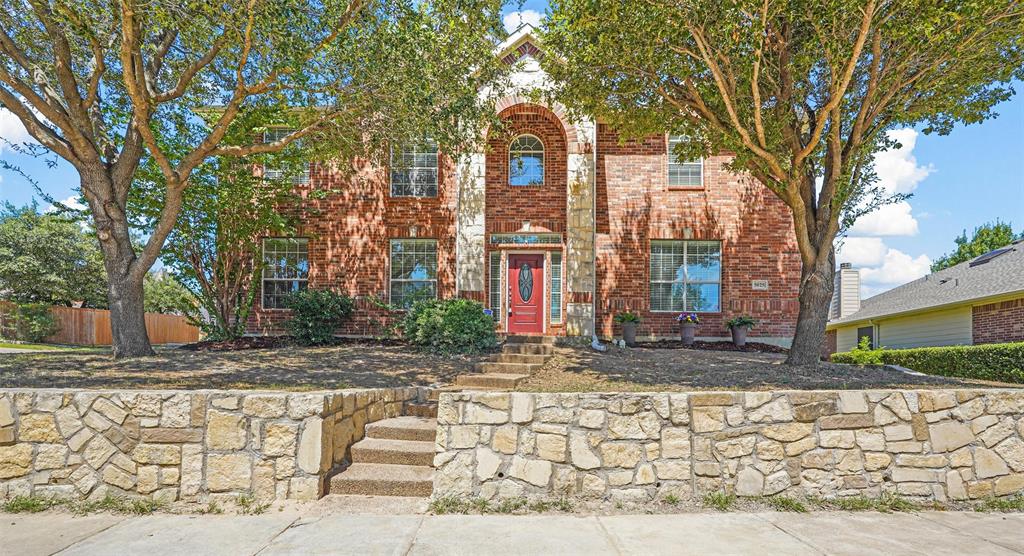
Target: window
{"points": [[414, 169], [285, 269], [866, 332], [413, 270], [526, 161], [686, 275], [683, 174], [556, 288], [276, 134], [494, 281]]}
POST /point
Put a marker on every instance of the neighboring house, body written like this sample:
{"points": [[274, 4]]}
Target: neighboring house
{"points": [[556, 227], [975, 302]]}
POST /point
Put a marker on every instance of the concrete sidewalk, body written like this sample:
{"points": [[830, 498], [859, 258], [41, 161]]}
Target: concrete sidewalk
{"points": [[932, 533]]}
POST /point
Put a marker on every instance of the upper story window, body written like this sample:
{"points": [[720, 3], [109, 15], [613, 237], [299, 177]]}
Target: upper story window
{"points": [[526, 161], [276, 134], [689, 173], [414, 169], [285, 269]]}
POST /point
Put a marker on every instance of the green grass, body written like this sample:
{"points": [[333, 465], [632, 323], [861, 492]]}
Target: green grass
{"points": [[248, 505], [1014, 504], [886, 503], [672, 500], [719, 500], [112, 504], [30, 504], [510, 505], [786, 504]]}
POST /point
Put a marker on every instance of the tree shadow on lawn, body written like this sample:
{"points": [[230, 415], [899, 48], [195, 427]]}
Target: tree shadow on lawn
{"points": [[346, 366], [689, 368]]}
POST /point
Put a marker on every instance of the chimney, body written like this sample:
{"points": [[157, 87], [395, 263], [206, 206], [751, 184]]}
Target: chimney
{"points": [[846, 296]]}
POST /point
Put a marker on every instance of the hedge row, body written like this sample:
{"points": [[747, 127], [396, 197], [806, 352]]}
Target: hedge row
{"points": [[1000, 362]]}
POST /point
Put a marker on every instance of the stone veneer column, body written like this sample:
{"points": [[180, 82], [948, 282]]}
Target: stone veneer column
{"points": [[469, 223], [579, 260]]}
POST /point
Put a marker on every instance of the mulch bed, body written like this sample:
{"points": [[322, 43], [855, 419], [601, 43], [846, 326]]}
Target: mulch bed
{"points": [[750, 347]]}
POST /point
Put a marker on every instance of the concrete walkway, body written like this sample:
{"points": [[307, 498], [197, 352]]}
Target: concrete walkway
{"points": [[931, 533]]}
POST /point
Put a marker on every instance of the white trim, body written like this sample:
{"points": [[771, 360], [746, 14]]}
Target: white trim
{"points": [[651, 281], [391, 253], [669, 162], [263, 260], [437, 172]]}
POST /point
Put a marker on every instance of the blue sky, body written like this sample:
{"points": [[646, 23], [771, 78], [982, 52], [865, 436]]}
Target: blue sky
{"points": [[959, 181]]}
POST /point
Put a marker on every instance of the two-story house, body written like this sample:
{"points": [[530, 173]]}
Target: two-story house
{"points": [[556, 226]]}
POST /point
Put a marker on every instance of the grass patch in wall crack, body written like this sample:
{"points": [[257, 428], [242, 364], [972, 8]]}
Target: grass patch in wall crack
{"points": [[785, 504], [1004, 505], [721, 501]]}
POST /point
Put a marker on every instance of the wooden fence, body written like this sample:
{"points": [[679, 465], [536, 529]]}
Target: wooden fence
{"points": [[91, 327]]}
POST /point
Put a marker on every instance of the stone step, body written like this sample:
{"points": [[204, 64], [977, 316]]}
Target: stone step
{"points": [[535, 359], [545, 340], [506, 368], [404, 428], [490, 380], [383, 480], [394, 452], [435, 394], [426, 409], [528, 349]]}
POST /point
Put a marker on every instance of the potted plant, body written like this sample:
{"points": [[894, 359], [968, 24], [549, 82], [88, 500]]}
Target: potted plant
{"points": [[739, 326], [687, 327], [628, 320]]}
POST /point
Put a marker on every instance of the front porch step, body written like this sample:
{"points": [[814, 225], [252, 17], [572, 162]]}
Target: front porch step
{"points": [[528, 349], [393, 452], [533, 359], [491, 380], [543, 340], [507, 368], [384, 480], [404, 428]]}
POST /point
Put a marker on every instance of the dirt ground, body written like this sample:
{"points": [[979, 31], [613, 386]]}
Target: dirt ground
{"points": [[354, 365], [385, 364], [577, 369]]}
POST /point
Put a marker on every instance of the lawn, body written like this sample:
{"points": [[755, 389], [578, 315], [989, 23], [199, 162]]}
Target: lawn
{"points": [[43, 347]]}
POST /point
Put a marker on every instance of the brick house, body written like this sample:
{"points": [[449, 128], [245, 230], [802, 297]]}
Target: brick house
{"points": [[556, 227]]}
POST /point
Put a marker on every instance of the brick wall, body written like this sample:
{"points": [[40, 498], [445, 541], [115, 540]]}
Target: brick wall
{"points": [[998, 322], [349, 235], [635, 205]]}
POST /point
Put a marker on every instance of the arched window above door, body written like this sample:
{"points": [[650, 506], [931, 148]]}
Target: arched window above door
{"points": [[526, 161]]}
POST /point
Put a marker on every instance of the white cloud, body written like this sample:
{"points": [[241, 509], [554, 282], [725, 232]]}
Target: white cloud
{"points": [[862, 251], [71, 202], [12, 130], [897, 169], [891, 220], [515, 20], [897, 268]]}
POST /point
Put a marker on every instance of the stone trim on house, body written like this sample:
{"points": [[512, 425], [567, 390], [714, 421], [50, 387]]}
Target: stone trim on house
{"points": [[929, 445], [182, 445]]}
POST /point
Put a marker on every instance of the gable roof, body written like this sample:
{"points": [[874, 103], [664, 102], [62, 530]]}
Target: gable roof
{"points": [[521, 42], [959, 284]]}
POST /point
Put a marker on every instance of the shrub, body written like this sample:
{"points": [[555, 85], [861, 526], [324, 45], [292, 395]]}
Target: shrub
{"points": [[31, 322], [627, 316], [316, 314], [742, 321], [447, 326], [1000, 362]]}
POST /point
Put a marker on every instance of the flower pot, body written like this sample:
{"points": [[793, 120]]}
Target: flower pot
{"points": [[686, 332], [629, 333], [739, 335]]}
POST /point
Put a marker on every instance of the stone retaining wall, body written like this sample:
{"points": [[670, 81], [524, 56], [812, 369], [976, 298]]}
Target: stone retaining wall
{"points": [[182, 445], [929, 444]]}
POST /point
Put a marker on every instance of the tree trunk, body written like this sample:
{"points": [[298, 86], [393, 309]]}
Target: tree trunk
{"points": [[815, 298], [128, 317]]}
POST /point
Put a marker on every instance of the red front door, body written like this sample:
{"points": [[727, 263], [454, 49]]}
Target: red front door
{"points": [[526, 296]]}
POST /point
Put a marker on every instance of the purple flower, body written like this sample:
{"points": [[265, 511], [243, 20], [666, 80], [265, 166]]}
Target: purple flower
{"points": [[691, 318]]}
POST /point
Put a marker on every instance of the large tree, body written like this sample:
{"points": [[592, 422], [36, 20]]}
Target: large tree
{"points": [[49, 258], [987, 237], [803, 92], [104, 84]]}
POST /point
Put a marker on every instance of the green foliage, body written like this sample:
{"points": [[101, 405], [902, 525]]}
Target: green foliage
{"points": [[112, 504], [316, 314], [721, 501], [627, 316], [29, 504], [741, 321], [49, 258], [1005, 505], [248, 505], [999, 362], [672, 500], [987, 237], [786, 504], [447, 326], [164, 294], [28, 322], [863, 354]]}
